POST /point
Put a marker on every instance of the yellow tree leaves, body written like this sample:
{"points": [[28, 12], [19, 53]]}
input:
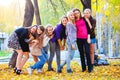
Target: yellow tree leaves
{"points": [[110, 72]]}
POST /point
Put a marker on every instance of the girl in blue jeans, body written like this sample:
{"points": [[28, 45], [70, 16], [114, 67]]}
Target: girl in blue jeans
{"points": [[43, 56], [71, 40]]}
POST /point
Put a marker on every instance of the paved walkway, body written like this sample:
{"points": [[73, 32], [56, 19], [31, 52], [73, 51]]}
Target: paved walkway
{"points": [[63, 56]]}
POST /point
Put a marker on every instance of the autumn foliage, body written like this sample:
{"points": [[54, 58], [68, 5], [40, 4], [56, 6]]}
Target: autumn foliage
{"points": [[110, 72]]}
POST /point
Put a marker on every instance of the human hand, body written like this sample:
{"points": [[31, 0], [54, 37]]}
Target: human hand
{"points": [[34, 41], [88, 40], [27, 40], [73, 47], [62, 48]]}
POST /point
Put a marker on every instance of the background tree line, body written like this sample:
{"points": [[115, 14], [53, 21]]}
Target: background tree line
{"points": [[107, 13]]}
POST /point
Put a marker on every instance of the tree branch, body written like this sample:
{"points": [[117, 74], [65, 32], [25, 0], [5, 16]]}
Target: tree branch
{"points": [[63, 6], [53, 5]]}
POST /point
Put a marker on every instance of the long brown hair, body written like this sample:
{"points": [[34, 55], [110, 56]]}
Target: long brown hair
{"points": [[29, 30], [46, 30], [40, 37], [76, 9], [62, 18]]}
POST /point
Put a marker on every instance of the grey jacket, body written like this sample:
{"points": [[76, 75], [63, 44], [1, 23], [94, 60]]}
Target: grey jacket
{"points": [[71, 33]]}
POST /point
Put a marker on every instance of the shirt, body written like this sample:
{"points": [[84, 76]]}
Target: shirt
{"points": [[71, 32], [59, 33], [83, 28]]}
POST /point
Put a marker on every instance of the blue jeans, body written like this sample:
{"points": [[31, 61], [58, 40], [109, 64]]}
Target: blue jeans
{"points": [[42, 60], [69, 56]]}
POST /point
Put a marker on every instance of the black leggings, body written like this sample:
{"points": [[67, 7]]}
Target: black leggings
{"points": [[84, 50]]}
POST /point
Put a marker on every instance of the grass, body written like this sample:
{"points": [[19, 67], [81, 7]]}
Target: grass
{"points": [[4, 53]]}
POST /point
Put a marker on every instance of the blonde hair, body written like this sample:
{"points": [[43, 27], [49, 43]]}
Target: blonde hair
{"points": [[68, 15], [87, 10]]}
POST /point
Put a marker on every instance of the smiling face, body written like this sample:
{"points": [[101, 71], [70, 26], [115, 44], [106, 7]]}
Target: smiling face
{"points": [[33, 29], [50, 30], [77, 14], [64, 21], [87, 13], [71, 16], [39, 31]]}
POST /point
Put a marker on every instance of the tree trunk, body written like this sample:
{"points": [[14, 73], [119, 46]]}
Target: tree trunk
{"points": [[117, 45], [29, 13], [37, 14], [110, 44], [106, 39], [86, 4], [98, 26]]}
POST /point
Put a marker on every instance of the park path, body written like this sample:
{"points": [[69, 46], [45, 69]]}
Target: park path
{"points": [[63, 56]]}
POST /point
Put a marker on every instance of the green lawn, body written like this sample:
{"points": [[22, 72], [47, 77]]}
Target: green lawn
{"points": [[4, 53]]}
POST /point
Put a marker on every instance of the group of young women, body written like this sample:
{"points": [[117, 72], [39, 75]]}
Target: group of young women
{"points": [[73, 29]]}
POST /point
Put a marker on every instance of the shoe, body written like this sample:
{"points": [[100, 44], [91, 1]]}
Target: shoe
{"points": [[69, 71], [50, 69], [59, 71], [39, 71], [15, 69], [89, 71], [92, 66], [84, 70], [30, 71], [18, 72]]}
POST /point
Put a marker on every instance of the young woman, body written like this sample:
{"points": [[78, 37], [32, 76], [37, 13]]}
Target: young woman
{"points": [[83, 39], [40, 47], [56, 43], [71, 40], [19, 40], [87, 14]]}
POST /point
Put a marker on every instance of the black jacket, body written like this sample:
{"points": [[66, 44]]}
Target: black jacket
{"points": [[23, 34]]}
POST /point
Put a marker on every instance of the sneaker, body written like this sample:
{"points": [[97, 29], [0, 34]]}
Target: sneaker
{"points": [[39, 71], [18, 72], [15, 69], [30, 71]]}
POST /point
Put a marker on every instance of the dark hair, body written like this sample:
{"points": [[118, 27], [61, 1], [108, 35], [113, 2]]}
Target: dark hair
{"points": [[76, 9], [41, 27], [62, 18], [29, 30]]}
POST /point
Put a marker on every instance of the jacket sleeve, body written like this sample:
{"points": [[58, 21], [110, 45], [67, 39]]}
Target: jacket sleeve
{"points": [[58, 31], [93, 22], [24, 35], [88, 28]]}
